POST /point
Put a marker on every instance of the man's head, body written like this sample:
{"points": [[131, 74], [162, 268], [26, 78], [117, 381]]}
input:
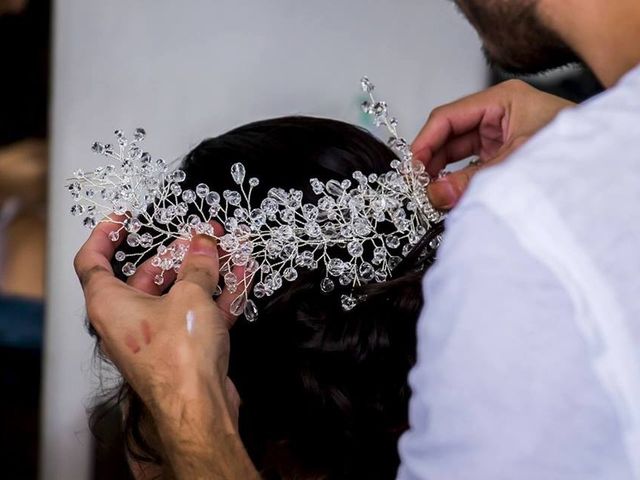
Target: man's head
{"points": [[516, 37]]}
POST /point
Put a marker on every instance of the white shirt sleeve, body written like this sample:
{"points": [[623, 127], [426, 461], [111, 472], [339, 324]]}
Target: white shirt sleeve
{"points": [[503, 387]]}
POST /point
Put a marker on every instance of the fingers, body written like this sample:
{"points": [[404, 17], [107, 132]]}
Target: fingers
{"points": [[200, 265], [93, 260], [145, 277], [458, 148], [446, 192], [459, 119]]}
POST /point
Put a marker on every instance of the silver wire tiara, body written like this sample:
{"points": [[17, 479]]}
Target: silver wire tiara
{"points": [[358, 231]]}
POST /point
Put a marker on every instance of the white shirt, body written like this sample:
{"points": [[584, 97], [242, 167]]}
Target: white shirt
{"points": [[529, 343]]}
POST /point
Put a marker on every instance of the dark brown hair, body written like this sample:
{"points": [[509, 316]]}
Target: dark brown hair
{"points": [[324, 391]]}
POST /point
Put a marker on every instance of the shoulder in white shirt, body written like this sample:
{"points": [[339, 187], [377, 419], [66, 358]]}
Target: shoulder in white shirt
{"points": [[528, 344]]}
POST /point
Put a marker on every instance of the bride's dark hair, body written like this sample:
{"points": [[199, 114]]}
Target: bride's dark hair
{"points": [[324, 391]]}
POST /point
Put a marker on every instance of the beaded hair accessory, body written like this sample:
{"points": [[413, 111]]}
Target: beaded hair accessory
{"points": [[359, 230]]}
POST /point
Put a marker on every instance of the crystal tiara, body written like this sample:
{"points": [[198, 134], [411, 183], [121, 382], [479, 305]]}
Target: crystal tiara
{"points": [[359, 230]]}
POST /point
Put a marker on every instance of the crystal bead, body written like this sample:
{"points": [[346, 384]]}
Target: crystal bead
{"points": [[348, 302], [366, 85], [285, 232], [393, 241], [242, 232], [345, 279], [361, 227], [128, 269], [132, 225], [158, 279], [237, 306], [146, 240], [317, 186], [250, 311], [254, 182], [288, 216], [114, 235], [304, 259], [77, 210], [312, 229], [393, 262], [259, 290], [202, 190], [379, 254], [334, 188], [335, 267], [139, 134], [189, 196], [230, 279], [327, 285], [120, 256], [274, 281], [367, 271], [212, 198], [258, 217], [380, 276], [273, 248], [241, 214], [238, 173], [97, 147], [310, 212], [232, 197], [133, 239], [178, 176], [229, 243], [355, 249], [326, 203], [89, 222], [290, 274], [288, 250]]}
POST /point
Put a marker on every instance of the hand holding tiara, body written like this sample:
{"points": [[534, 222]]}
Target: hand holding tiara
{"points": [[270, 239]]}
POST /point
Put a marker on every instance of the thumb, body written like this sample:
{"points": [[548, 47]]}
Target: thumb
{"points": [[447, 191], [200, 265]]}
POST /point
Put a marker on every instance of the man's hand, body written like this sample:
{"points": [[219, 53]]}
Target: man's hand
{"points": [[173, 349], [490, 124]]}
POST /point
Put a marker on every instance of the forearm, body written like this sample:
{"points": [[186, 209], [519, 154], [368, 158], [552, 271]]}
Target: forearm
{"points": [[201, 440]]}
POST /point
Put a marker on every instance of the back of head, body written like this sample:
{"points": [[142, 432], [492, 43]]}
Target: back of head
{"points": [[324, 391]]}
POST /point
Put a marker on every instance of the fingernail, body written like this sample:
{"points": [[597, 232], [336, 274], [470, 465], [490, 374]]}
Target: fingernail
{"points": [[443, 194], [203, 245]]}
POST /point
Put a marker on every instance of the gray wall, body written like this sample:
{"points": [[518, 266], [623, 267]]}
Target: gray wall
{"points": [[189, 69]]}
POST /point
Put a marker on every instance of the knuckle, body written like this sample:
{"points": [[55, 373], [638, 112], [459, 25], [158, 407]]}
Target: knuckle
{"points": [[186, 288], [515, 84], [86, 275], [437, 112], [77, 261]]}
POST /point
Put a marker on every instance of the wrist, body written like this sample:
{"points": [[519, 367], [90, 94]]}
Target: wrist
{"points": [[195, 404], [199, 435]]}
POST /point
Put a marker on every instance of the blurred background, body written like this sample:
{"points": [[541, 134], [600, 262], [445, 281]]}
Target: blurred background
{"points": [[75, 70]]}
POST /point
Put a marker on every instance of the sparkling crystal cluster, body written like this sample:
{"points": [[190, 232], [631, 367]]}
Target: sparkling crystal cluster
{"points": [[358, 230]]}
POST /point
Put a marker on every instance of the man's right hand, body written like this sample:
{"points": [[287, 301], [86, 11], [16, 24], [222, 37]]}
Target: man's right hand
{"points": [[490, 124]]}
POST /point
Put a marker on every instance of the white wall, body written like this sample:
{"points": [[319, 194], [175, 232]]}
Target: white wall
{"points": [[188, 69]]}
